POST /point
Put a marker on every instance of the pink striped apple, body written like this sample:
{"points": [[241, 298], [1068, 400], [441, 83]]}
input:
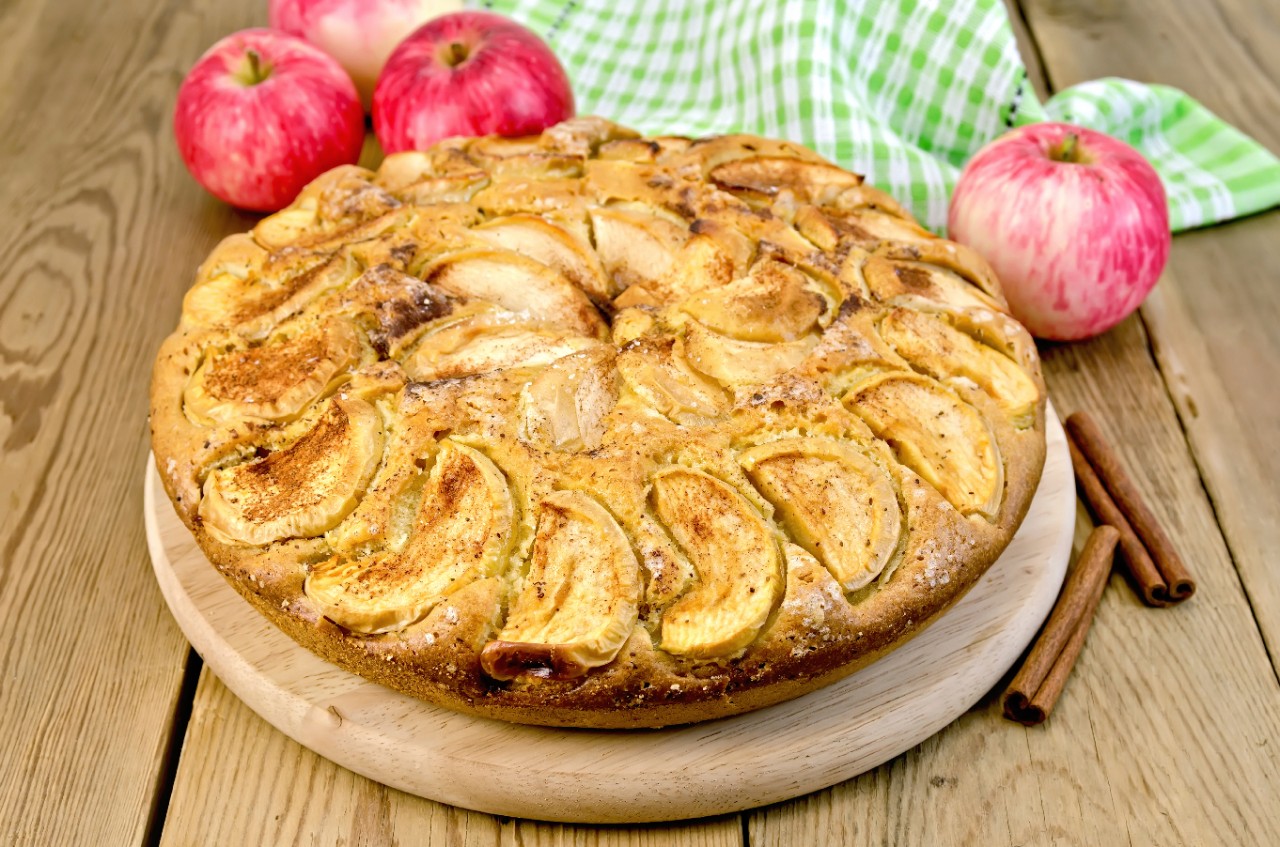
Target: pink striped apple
{"points": [[264, 113], [360, 34], [1074, 222], [468, 73]]}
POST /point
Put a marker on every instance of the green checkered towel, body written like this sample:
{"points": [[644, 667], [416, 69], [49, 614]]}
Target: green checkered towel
{"points": [[903, 91]]}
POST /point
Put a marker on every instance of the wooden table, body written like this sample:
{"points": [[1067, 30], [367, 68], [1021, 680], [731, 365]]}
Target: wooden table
{"points": [[111, 732]]}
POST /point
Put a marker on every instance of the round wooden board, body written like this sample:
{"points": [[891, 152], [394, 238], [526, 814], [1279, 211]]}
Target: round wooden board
{"points": [[617, 776]]}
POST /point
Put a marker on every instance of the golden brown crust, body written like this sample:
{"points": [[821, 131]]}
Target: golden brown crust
{"points": [[438, 333]]}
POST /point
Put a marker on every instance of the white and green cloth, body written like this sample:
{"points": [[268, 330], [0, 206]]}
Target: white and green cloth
{"points": [[903, 91]]}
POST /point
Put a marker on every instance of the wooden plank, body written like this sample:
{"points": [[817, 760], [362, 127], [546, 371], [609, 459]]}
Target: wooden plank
{"points": [[242, 782], [1212, 318], [19, 21], [714, 832], [1212, 323], [1028, 49], [1222, 52], [94, 197]]}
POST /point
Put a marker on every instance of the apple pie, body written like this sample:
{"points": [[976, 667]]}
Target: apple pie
{"points": [[591, 429]]}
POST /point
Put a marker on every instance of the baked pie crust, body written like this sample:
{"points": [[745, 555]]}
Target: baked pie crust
{"points": [[589, 429]]}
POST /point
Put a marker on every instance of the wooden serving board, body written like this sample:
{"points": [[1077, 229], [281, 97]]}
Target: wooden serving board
{"points": [[619, 776]]}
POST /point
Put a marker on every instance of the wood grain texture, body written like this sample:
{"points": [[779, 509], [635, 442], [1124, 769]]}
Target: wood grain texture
{"points": [[1212, 319], [1216, 308], [242, 782], [1028, 49], [679, 772], [1222, 52], [94, 198]]}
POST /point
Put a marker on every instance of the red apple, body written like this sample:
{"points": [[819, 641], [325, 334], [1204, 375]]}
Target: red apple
{"points": [[1073, 221], [264, 113], [469, 73], [360, 34]]}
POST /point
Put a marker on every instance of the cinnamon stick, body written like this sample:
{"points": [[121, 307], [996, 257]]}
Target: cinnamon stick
{"points": [[1039, 683], [1142, 570], [1103, 459]]}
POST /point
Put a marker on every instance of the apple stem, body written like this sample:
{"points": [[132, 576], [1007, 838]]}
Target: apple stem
{"points": [[1069, 152], [256, 72], [457, 54]]}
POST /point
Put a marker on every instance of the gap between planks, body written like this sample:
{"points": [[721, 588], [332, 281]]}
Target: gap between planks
{"points": [[173, 751]]}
